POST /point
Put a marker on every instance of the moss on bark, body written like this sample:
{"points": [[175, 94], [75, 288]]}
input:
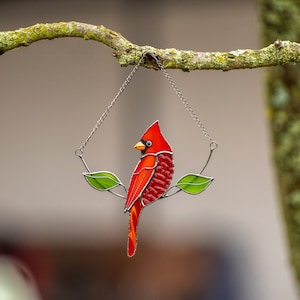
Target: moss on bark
{"points": [[129, 54], [281, 20]]}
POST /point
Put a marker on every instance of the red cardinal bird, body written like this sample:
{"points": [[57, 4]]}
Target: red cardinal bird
{"points": [[150, 180]]}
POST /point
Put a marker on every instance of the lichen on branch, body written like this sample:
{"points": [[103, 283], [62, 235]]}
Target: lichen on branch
{"points": [[127, 53]]}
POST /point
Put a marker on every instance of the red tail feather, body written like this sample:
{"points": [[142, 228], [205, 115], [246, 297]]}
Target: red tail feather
{"points": [[135, 212]]}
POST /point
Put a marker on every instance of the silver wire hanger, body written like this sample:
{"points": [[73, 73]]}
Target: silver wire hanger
{"points": [[94, 178]]}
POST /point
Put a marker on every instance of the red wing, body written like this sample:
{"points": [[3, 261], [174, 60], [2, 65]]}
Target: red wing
{"points": [[140, 179]]}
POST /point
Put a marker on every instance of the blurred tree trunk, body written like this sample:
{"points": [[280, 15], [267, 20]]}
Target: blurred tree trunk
{"points": [[281, 20]]}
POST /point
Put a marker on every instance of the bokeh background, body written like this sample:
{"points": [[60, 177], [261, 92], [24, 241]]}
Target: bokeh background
{"points": [[227, 243]]}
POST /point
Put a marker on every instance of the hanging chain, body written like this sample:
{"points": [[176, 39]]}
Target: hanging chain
{"points": [[213, 144], [79, 151]]}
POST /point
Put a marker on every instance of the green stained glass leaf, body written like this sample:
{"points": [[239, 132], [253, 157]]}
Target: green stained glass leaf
{"points": [[194, 183], [103, 180]]}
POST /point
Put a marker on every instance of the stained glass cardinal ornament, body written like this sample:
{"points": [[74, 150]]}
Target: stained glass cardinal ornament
{"points": [[150, 180], [152, 177]]}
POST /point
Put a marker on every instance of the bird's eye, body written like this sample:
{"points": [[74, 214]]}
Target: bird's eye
{"points": [[148, 144]]}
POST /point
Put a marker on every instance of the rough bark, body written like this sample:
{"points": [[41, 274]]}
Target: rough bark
{"points": [[281, 20], [277, 53]]}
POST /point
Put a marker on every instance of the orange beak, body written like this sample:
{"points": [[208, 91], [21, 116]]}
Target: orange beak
{"points": [[140, 146]]}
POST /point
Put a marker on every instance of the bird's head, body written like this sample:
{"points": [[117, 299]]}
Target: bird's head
{"points": [[153, 141]]}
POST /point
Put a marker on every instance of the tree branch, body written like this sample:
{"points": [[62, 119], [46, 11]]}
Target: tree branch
{"points": [[127, 53]]}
